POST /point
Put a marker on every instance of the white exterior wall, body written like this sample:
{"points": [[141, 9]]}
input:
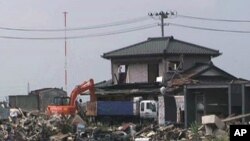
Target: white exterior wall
{"points": [[161, 69], [114, 73], [137, 73]]}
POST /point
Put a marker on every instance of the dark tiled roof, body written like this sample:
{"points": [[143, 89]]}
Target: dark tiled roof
{"points": [[199, 68], [192, 75], [159, 46], [38, 91]]}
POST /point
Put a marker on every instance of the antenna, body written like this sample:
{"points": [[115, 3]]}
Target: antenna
{"points": [[65, 50], [28, 87]]}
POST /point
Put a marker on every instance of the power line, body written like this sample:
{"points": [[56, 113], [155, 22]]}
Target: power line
{"points": [[211, 19], [209, 29], [84, 36], [119, 23]]}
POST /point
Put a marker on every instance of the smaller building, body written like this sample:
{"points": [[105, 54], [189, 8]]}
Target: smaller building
{"points": [[37, 99]]}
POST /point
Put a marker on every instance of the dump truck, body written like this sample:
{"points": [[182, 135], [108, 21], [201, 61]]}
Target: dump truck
{"points": [[137, 107], [166, 109]]}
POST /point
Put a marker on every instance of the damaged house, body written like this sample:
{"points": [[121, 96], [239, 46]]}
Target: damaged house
{"points": [[184, 69]]}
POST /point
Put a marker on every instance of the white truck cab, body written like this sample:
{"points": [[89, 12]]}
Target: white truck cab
{"points": [[148, 109]]}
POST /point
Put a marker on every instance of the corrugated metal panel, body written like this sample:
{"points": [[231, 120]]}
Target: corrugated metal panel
{"points": [[91, 109], [115, 108], [25, 102]]}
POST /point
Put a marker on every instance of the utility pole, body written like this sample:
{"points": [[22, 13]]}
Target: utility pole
{"points": [[162, 15], [65, 50], [28, 87]]}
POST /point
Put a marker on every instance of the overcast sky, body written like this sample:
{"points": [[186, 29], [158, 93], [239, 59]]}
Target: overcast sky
{"points": [[41, 62]]}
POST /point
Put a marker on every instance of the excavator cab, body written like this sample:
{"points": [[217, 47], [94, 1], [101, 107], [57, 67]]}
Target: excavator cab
{"points": [[61, 101]]}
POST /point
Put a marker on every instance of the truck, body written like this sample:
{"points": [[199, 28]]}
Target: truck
{"points": [[163, 109], [136, 108], [166, 109]]}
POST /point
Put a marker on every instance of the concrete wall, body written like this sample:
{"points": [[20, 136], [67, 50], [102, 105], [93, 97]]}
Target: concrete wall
{"points": [[25, 102], [137, 67], [161, 69], [114, 72], [137, 73]]}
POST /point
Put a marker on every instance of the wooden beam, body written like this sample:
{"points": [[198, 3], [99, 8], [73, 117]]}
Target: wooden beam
{"points": [[236, 117], [185, 106]]}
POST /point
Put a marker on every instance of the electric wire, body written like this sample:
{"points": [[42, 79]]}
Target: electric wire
{"points": [[212, 19], [119, 23], [85, 36], [208, 29]]}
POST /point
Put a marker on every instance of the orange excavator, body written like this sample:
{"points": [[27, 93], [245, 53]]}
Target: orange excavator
{"points": [[67, 105]]}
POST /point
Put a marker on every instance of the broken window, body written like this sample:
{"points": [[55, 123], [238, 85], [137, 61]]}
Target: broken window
{"points": [[122, 68], [121, 72], [174, 65], [153, 72]]}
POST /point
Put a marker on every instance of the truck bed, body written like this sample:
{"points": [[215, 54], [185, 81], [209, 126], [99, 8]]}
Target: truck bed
{"points": [[115, 108]]}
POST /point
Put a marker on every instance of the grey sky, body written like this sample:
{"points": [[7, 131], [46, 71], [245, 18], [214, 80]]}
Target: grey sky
{"points": [[41, 63]]}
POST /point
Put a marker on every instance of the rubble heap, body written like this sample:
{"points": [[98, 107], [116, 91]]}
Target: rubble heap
{"points": [[40, 127]]}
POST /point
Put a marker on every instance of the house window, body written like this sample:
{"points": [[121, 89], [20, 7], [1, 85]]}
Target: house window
{"points": [[121, 72], [174, 65], [153, 72], [121, 68]]}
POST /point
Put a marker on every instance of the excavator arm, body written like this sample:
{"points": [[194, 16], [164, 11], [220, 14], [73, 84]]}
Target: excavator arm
{"points": [[86, 85]]}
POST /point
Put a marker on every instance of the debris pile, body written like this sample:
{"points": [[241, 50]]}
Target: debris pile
{"points": [[40, 127], [32, 127]]}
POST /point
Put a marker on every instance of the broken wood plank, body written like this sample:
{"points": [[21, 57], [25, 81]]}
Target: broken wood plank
{"points": [[236, 117]]}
